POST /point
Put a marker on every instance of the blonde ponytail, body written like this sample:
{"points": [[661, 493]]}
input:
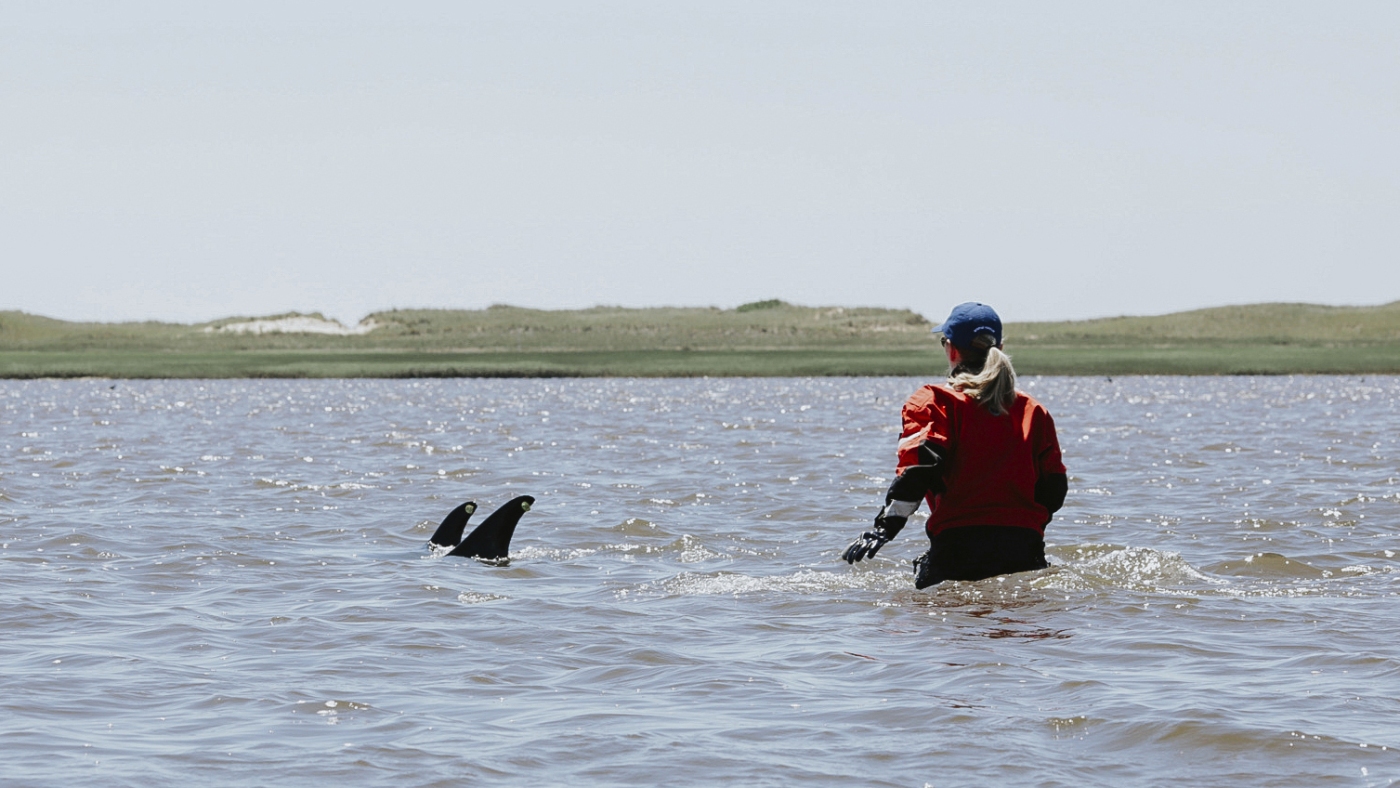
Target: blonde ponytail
{"points": [[985, 374]]}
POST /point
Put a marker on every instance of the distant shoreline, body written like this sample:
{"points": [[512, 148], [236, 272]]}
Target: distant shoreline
{"points": [[1232, 360], [764, 339]]}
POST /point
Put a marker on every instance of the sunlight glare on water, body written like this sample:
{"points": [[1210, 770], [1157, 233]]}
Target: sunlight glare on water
{"points": [[227, 581]]}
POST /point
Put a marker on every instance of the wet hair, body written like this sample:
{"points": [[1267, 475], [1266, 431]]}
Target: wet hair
{"points": [[985, 374]]}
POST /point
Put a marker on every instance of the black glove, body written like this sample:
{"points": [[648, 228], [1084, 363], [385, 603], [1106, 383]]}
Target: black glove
{"points": [[870, 542], [888, 524]]}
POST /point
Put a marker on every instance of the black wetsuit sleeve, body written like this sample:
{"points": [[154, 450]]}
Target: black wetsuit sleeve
{"points": [[909, 489], [1050, 490], [918, 480]]}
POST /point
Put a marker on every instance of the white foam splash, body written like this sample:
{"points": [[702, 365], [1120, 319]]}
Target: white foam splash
{"points": [[1140, 568], [552, 554], [477, 597], [805, 581]]}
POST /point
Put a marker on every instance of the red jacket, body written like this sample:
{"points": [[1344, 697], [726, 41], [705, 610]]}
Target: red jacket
{"points": [[991, 462]]}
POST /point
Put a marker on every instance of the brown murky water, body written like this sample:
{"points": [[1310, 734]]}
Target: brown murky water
{"points": [[225, 583]]}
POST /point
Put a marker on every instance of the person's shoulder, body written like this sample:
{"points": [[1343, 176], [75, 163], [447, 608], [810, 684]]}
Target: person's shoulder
{"points": [[932, 393], [1030, 404]]}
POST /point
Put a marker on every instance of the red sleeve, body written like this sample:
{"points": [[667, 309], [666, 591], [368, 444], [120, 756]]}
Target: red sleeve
{"points": [[925, 418], [1047, 444]]}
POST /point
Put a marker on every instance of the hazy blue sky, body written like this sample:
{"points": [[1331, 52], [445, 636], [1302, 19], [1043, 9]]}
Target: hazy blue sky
{"points": [[187, 161]]}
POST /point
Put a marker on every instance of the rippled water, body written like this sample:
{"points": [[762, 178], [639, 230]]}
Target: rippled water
{"points": [[226, 583]]}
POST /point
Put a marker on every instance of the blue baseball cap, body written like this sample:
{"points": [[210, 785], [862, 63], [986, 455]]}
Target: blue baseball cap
{"points": [[968, 320]]}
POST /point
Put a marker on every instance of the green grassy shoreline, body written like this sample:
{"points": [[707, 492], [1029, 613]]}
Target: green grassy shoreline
{"points": [[766, 339], [1236, 360]]}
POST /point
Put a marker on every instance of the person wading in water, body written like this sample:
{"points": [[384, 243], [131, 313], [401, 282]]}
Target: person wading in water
{"points": [[984, 455]]}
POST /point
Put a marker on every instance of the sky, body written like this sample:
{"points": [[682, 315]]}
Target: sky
{"points": [[191, 161]]}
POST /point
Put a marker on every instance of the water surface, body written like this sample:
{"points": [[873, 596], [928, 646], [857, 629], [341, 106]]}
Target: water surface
{"points": [[226, 582]]}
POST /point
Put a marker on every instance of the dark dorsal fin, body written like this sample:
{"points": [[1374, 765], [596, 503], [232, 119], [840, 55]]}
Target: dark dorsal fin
{"points": [[491, 539], [450, 532]]}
